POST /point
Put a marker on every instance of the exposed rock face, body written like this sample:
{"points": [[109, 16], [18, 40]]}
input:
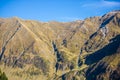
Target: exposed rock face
{"points": [[61, 51]]}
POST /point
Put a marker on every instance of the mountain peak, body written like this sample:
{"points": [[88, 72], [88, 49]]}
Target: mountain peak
{"points": [[111, 13]]}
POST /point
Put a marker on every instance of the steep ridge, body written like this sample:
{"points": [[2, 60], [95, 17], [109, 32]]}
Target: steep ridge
{"points": [[24, 40], [106, 31], [108, 66], [99, 42], [60, 50]]}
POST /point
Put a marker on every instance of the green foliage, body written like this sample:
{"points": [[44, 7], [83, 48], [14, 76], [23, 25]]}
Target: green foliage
{"points": [[3, 76]]}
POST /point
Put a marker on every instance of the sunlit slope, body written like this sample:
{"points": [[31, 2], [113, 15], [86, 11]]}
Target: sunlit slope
{"points": [[53, 50]]}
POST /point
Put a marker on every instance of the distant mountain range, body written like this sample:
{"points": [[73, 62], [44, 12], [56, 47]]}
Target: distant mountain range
{"points": [[80, 50]]}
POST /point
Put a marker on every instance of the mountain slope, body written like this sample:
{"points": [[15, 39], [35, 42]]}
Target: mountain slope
{"points": [[60, 51]]}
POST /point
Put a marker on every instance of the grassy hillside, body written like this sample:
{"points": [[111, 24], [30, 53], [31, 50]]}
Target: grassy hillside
{"points": [[32, 50]]}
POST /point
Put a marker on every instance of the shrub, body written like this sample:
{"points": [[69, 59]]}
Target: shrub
{"points": [[3, 76]]}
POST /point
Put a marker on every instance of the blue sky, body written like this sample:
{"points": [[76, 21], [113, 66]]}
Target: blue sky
{"points": [[59, 10]]}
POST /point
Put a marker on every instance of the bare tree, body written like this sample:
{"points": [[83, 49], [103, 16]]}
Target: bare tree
{"points": [[6, 41]]}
